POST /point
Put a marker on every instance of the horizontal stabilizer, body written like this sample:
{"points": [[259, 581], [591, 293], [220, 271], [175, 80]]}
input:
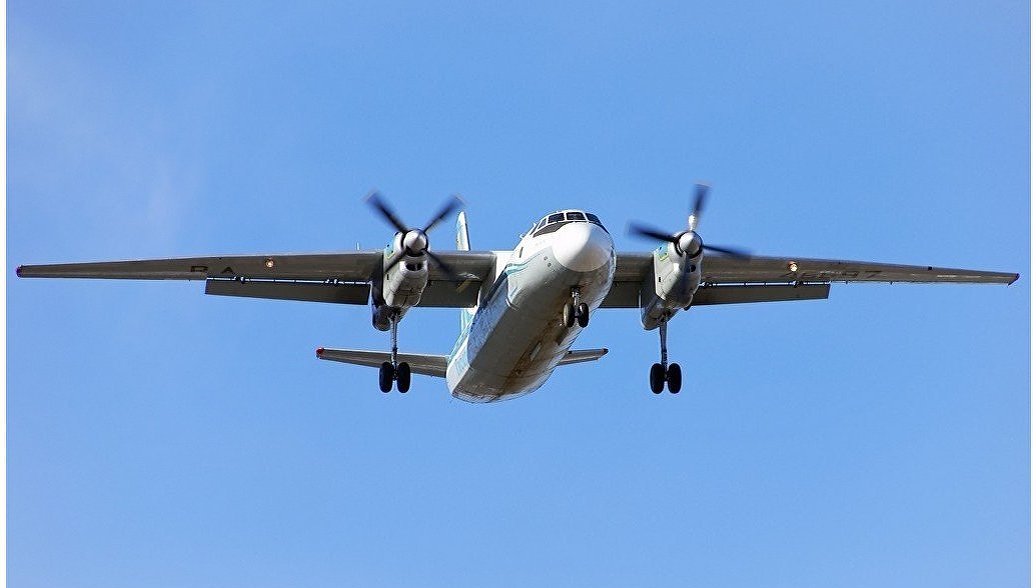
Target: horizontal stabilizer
{"points": [[420, 363], [581, 355]]}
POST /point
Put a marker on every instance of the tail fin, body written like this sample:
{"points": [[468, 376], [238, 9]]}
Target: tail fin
{"points": [[463, 244], [462, 232]]}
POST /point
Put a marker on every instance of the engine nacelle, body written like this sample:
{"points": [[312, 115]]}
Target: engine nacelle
{"points": [[405, 282], [672, 285], [381, 315], [400, 286]]}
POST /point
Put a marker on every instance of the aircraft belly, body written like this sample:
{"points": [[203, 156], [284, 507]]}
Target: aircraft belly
{"points": [[517, 339]]}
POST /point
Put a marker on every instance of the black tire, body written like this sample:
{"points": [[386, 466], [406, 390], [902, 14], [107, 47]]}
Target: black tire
{"points": [[403, 377], [385, 377], [568, 315], [674, 377], [657, 378], [583, 314]]}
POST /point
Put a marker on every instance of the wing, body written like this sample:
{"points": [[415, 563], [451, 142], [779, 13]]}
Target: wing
{"points": [[728, 279], [319, 277], [352, 266]]}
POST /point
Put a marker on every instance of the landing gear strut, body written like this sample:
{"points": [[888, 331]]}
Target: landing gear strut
{"points": [[393, 370], [575, 312], [665, 373]]}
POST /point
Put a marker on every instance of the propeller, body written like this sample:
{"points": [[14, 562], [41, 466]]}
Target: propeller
{"points": [[701, 191], [688, 242], [415, 240]]}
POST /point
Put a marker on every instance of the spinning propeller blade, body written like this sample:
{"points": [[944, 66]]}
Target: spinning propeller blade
{"points": [[731, 251], [445, 267], [452, 203], [374, 199], [701, 192], [645, 231]]}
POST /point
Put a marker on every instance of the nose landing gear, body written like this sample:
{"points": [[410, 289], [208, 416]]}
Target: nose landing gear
{"points": [[394, 371], [575, 312], [665, 373]]}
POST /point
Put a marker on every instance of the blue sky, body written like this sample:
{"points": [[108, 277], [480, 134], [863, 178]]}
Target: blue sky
{"points": [[160, 437]]}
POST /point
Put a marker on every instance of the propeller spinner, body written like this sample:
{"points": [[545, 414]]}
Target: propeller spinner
{"points": [[415, 240], [688, 242]]}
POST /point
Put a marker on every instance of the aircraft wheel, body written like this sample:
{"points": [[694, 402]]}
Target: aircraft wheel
{"points": [[385, 377], [403, 377], [583, 314], [657, 378], [568, 315], [674, 377]]}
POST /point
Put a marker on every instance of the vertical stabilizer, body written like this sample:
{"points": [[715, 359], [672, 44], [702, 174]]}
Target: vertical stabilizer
{"points": [[463, 244], [462, 232]]}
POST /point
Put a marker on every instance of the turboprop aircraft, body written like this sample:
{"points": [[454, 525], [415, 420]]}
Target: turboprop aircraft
{"points": [[521, 310]]}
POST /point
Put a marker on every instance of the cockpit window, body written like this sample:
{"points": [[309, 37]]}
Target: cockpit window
{"points": [[593, 218], [555, 221]]}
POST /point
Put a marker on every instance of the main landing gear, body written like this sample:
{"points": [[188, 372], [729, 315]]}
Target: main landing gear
{"points": [[575, 312], [394, 371], [665, 373]]}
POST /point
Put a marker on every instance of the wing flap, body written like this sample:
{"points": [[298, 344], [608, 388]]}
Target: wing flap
{"points": [[446, 294], [469, 265], [429, 365], [337, 292], [756, 293], [623, 295]]}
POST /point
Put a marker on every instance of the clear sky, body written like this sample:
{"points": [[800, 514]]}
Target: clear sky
{"points": [[160, 437]]}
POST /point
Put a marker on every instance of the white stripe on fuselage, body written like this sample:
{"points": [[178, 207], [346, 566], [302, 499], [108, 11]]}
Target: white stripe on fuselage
{"points": [[516, 339]]}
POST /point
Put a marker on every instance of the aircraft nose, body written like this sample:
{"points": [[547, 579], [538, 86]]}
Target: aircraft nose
{"points": [[582, 247]]}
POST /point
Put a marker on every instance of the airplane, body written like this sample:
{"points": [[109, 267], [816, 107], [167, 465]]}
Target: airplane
{"points": [[520, 310]]}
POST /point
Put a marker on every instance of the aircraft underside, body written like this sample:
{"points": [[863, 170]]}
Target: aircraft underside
{"points": [[520, 336]]}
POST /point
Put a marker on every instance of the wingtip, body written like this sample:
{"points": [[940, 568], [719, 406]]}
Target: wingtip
{"points": [[1014, 279], [18, 271], [320, 352]]}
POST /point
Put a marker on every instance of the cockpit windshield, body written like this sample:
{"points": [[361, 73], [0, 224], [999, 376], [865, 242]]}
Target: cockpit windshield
{"points": [[553, 222]]}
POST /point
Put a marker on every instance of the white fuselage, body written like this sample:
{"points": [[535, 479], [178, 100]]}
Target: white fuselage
{"points": [[515, 338]]}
